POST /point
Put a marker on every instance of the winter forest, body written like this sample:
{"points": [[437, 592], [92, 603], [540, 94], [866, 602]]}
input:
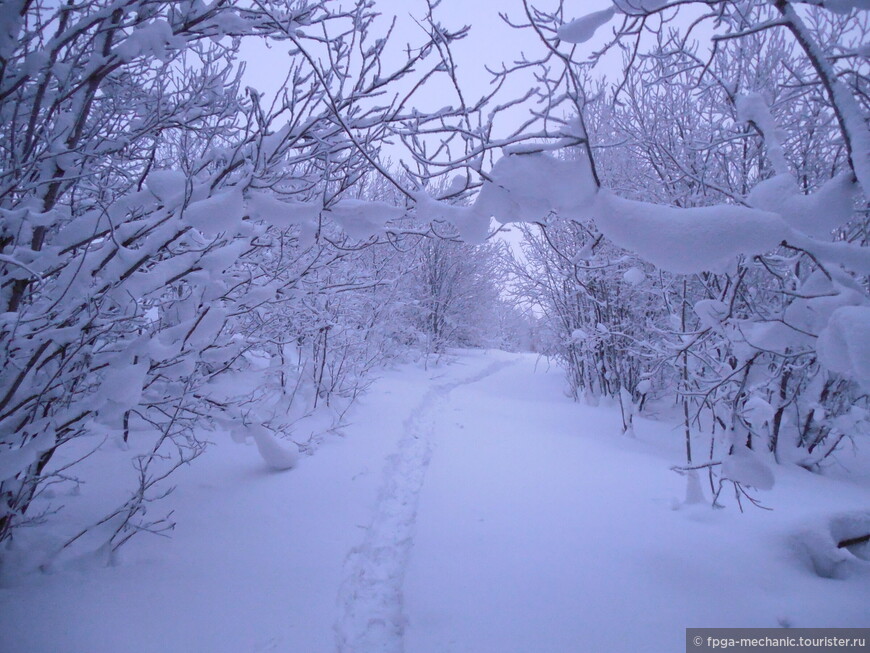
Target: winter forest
{"points": [[324, 330]]}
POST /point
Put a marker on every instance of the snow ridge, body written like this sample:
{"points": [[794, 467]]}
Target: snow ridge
{"points": [[370, 599]]}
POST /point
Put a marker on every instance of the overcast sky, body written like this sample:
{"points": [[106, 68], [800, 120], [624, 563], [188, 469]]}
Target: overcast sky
{"points": [[489, 43]]}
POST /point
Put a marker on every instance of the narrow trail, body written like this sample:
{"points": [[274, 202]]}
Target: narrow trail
{"points": [[476, 511], [370, 601]]}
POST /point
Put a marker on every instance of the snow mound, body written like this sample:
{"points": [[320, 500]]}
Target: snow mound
{"points": [[634, 7], [582, 29], [815, 215], [154, 38], [472, 226], [361, 219], [687, 240], [757, 412], [282, 214], [836, 548], [711, 313], [276, 456], [528, 187], [166, 185], [844, 344], [753, 108], [634, 276], [746, 467], [216, 214]]}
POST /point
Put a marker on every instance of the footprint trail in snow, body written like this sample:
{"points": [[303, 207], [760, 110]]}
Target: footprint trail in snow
{"points": [[370, 603]]}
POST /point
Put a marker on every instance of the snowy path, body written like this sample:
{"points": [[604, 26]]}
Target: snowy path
{"points": [[471, 508], [540, 528], [370, 599]]}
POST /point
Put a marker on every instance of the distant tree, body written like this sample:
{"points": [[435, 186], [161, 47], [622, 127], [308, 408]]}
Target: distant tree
{"points": [[456, 293]]}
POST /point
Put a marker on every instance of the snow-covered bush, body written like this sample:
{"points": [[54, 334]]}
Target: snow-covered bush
{"points": [[149, 202], [454, 291], [739, 168], [600, 311]]}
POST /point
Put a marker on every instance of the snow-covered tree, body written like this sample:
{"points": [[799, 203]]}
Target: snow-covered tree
{"points": [[455, 293], [739, 169], [152, 211]]}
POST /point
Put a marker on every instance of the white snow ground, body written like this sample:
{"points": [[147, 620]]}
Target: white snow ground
{"points": [[470, 508]]}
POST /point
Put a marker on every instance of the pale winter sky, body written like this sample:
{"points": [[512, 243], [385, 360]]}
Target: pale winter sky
{"points": [[489, 43]]}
